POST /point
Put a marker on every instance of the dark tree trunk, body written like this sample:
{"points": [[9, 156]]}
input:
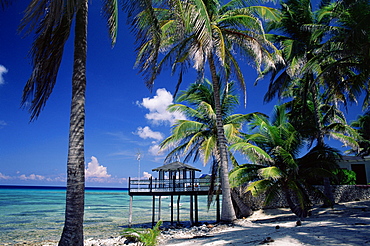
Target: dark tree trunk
{"points": [[227, 211], [241, 209], [73, 226]]}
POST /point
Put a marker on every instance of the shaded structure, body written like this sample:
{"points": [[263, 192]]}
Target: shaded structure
{"points": [[174, 179]]}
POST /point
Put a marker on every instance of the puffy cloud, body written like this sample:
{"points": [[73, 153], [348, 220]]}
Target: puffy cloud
{"points": [[2, 176], [157, 106], [3, 70], [154, 149], [95, 170], [146, 175], [146, 132], [31, 177]]}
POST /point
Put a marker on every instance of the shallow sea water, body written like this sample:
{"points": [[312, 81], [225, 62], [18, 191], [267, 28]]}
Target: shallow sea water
{"points": [[29, 214]]}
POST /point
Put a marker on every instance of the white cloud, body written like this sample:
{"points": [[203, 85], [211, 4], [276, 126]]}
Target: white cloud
{"points": [[157, 106], [155, 149], [2, 176], [146, 175], [95, 170], [146, 132], [3, 70], [31, 177]]}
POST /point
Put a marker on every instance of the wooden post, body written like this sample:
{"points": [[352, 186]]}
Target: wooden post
{"points": [[130, 215], [196, 209], [159, 207], [191, 211], [171, 209], [153, 211], [178, 209]]}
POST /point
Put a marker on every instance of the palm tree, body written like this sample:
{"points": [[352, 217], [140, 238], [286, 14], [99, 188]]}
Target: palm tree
{"points": [[345, 53], [196, 137], [200, 33], [362, 124], [52, 22], [273, 148], [302, 33]]}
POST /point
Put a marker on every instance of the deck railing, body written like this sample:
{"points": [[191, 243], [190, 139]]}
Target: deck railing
{"points": [[170, 185]]}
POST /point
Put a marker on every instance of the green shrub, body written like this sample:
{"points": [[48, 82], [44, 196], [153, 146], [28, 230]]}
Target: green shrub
{"points": [[344, 177], [147, 237]]}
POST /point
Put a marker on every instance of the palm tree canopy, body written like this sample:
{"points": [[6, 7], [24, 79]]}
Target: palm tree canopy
{"points": [[52, 21], [345, 52], [187, 32], [273, 148], [362, 124], [196, 137]]}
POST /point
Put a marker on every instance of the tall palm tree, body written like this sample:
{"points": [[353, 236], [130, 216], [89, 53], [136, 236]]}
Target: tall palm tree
{"points": [[201, 33], [273, 149], [301, 37], [196, 137], [345, 54], [52, 21]]}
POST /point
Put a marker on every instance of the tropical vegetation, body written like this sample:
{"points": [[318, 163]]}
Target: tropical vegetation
{"points": [[275, 167], [362, 124], [196, 137], [147, 237], [203, 33], [52, 22]]}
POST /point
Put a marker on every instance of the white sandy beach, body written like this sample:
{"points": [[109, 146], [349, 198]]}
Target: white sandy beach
{"points": [[346, 224]]}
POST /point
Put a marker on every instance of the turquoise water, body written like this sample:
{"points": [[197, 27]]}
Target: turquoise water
{"points": [[36, 214]]}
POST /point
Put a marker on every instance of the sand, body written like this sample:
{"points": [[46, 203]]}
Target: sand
{"points": [[345, 224]]}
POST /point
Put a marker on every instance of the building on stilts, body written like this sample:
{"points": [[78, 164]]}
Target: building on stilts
{"points": [[174, 180]]}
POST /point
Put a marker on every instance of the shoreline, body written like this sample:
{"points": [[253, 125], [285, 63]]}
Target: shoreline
{"points": [[344, 224]]}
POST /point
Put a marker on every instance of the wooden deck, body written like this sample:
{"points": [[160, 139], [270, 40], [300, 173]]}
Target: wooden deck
{"points": [[165, 187]]}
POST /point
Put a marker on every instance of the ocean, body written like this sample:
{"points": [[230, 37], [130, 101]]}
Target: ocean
{"points": [[36, 213]]}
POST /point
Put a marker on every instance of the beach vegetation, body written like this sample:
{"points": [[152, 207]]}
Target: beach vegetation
{"points": [[273, 147], [195, 138], [209, 36], [145, 236], [302, 35], [362, 125], [52, 22]]}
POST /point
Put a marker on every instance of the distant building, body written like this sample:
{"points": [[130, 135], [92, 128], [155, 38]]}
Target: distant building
{"points": [[360, 165]]}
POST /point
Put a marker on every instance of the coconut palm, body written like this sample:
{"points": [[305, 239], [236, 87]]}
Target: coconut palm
{"points": [[273, 149], [52, 22], [196, 137], [202, 33], [345, 54], [362, 124]]}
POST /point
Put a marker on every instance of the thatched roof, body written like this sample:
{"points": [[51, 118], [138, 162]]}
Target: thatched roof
{"points": [[175, 166]]}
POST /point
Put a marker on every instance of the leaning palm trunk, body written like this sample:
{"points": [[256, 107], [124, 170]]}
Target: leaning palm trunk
{"points": [[73, 226], [301, 210], [242, 209], [227, 212]]}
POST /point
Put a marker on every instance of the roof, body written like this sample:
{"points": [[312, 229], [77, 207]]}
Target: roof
{"points": [[175, 166]]}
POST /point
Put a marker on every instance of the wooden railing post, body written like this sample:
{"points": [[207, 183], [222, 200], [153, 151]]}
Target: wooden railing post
{"points": [[174, 183]]}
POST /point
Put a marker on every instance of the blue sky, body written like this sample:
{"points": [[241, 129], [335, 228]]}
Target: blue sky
{"points": [[122, 116]]}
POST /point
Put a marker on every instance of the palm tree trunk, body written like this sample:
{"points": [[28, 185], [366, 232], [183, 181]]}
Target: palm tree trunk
{"points": [[227, 212], [73, 226], [320, 142]]}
